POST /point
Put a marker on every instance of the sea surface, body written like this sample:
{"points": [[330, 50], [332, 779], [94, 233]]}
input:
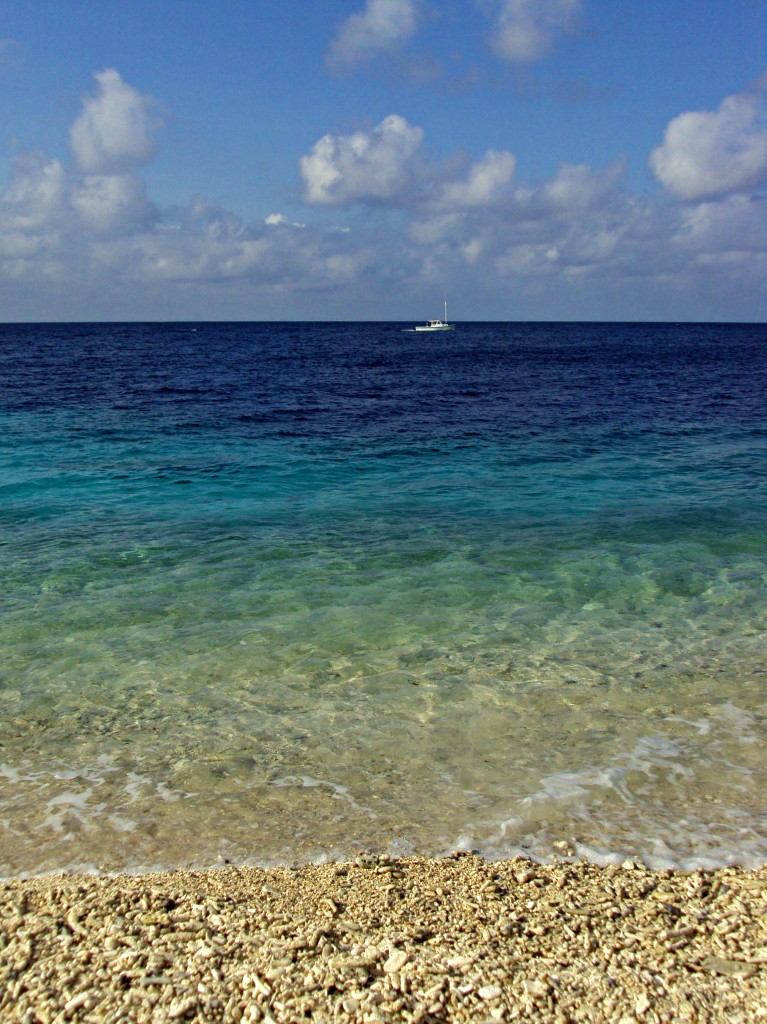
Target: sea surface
{"points": [[272, 593]]}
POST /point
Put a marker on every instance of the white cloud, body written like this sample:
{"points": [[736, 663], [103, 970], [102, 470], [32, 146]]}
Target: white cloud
{"points": [[375, 165], [36, 193], [48, 210], [31, 220], [110, 204], [71, 232], [579, 187], [722, 229], [527, 29], [485, 184], [579, 223], [528, 259], [383, 26], [102, 232], [116, 130], [95, 237], [709, 154], [210, 245], [276, 220]]}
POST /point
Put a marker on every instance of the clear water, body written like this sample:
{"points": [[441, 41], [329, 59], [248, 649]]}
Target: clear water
{"points": [[275, 592]]}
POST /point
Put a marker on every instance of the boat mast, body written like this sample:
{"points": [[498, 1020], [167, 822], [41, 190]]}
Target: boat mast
{"points": [[446, 309]]}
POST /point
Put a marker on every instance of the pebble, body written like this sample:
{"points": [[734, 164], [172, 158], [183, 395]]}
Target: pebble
{"points": [[396, 962], [77, 1002], [490, 992], [533, 988], [642, 1005]]}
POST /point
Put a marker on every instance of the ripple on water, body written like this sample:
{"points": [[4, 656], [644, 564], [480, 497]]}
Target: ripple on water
{"points": [[508, 595]]}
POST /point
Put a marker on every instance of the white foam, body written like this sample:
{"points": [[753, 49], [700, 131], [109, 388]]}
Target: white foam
{"points": [[338, 791]]}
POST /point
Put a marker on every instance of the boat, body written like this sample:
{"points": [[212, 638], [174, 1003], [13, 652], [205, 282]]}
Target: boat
{"points": [[437, 325]]}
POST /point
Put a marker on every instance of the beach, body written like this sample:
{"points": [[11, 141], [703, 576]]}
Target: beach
{"points": [[416, 939]]}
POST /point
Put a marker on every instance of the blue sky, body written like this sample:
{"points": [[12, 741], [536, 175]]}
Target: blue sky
{"points": [[359, 159]]}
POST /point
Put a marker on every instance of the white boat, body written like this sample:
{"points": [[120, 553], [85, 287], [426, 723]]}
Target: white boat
{"points": [[437, 325]]}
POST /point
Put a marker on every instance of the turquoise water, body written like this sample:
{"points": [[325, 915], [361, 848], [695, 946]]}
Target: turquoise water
{"points": [[283, 592]]}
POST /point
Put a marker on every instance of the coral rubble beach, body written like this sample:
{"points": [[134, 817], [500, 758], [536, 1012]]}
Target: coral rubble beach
{"points": [[378, 939]]}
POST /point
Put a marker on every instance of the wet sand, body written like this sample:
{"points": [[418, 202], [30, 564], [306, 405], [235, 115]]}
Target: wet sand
{"points": [[415, 940]]}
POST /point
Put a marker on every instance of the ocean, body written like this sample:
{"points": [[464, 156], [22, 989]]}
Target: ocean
{"points": [[282, 592]]}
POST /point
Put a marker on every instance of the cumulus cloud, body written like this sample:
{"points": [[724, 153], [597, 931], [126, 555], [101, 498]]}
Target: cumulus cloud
{"points": [[36, 193], [470, 226], [110, 204], [578, 187], [385, 166], [93, 227], [485, 184], [526, 30], [728, 229], [202, 243], [710, 154], [577, 219], [103, 232], [31, 221], [383, 26], [277, 219], [44, 198], [116, 129], [574, 223], [375, 165], [54, 219]]}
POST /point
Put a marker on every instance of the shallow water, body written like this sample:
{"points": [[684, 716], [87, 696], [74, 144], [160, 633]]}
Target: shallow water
{"points": [[279, 592]]}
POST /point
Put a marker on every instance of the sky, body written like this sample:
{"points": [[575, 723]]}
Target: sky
{"points": [[366, 159]]}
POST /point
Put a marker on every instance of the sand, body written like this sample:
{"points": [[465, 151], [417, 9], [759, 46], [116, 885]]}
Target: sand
{"points": [[421, 940]]}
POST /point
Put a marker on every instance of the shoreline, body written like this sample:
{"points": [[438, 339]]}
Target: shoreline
{"points": [[384, 939]]}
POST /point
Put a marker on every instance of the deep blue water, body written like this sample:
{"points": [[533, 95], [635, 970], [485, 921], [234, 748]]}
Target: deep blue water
{"points": [[277, 591]]}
